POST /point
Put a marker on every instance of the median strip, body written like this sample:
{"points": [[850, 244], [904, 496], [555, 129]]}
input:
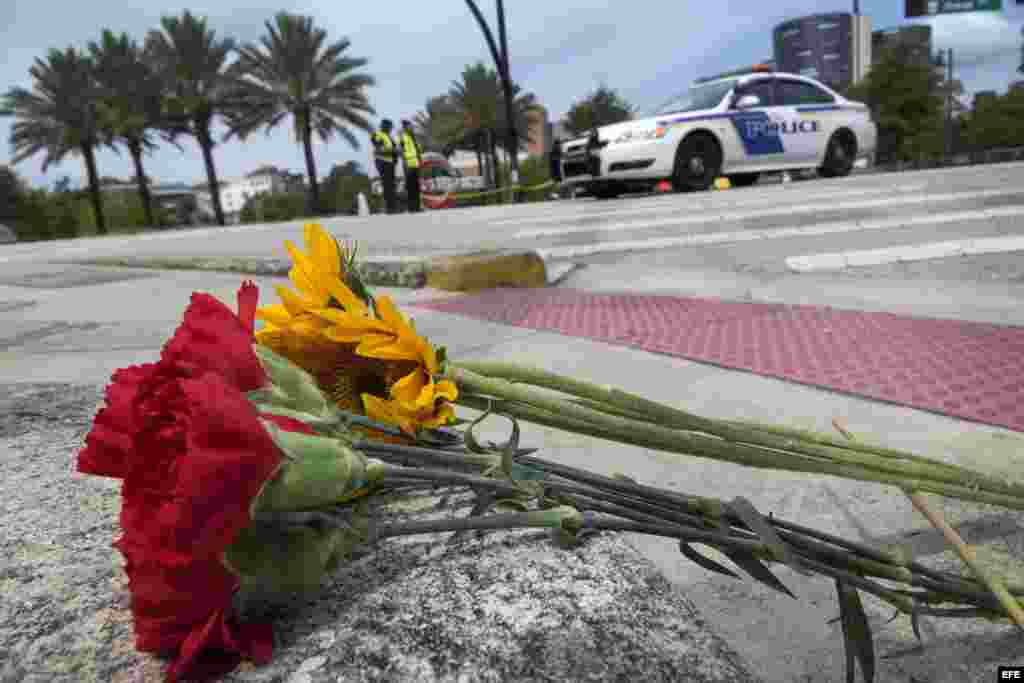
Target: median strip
{"points": [[469, 272]]}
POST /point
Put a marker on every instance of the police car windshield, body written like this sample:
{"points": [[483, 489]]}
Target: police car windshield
{"points": [[699, 97]]}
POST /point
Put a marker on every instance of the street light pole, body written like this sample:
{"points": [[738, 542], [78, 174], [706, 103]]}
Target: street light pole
{"points": [[500, 55], [513, 143]]}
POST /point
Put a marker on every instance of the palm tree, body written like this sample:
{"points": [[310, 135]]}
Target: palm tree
{"points": [[58, 117], [523, 105], [190, 61], [478, 120], [433, 124], [292, 71], [131, 102], [475, 101]]}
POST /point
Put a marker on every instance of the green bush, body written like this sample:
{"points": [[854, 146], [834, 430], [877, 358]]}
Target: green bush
{"points": [[267, 207]]}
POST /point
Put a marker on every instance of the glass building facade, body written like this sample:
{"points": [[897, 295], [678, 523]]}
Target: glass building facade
{"points": [[819, 46]]}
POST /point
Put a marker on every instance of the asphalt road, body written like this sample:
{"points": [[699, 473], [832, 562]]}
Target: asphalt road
{"points": [[739, 230]]}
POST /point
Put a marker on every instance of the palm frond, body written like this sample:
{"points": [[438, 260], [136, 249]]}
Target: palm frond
{"points": [[292, 70]]}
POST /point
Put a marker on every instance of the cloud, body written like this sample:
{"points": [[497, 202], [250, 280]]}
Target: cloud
{"points": [[978, 38]]}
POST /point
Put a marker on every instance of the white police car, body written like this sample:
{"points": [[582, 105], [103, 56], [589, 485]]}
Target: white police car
{"points": [[739, 127]]}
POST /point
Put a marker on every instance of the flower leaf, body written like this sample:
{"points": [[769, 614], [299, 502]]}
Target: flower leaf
{"points": [[471, 443], [757, 570], [856, 633], [746, 511], [705, 562]]}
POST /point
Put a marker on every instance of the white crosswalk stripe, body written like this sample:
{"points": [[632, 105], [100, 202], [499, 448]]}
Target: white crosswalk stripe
{"points": [[658, 204], [576, 251], [713, 217]]}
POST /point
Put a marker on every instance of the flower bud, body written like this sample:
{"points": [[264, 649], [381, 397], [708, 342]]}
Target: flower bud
{"points": [[319, 471], [291, 385]]}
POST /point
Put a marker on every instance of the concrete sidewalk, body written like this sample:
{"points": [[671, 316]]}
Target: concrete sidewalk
{"points": [[56, 332]]}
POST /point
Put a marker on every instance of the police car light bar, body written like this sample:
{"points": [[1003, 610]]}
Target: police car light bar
{"points": [[756, 68]]}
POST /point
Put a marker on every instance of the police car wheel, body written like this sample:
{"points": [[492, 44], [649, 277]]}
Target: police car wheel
{"points": [[839, 157], [743, 179], [698, 163]]}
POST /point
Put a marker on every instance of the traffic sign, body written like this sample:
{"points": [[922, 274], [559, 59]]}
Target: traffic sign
{"points": [[930, 8]]}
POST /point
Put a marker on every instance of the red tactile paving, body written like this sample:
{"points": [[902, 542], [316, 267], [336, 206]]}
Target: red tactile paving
{"points": [[968, 370]]}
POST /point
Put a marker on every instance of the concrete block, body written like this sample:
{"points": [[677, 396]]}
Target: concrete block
{"points": [[486, 270]]}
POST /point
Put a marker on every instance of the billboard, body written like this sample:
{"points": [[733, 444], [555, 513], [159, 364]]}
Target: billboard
{"points": [[930, 8]]}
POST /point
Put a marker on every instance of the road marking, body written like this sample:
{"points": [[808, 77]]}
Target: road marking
{"points": [[579, 250], [718, 201], [904, 253], [763, 213]]}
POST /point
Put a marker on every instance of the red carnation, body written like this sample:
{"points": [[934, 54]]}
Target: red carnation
{"points": [[192, 454]]}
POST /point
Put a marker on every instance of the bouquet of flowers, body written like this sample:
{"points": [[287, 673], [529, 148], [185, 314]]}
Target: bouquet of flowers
{"points": [[249, 458]]}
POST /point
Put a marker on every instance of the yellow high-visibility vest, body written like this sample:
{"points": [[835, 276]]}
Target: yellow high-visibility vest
{"points": [[411, 150], [385, 151]]}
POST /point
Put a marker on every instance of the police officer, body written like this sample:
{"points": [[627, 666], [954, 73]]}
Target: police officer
{"points": [[412, 153], [555, 158], [384, 158]]}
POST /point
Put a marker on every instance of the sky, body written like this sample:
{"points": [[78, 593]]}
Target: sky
{"points": [[647, 50]]}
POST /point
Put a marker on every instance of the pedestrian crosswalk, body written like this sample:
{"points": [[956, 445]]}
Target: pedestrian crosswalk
{"points": [[857, 214]]}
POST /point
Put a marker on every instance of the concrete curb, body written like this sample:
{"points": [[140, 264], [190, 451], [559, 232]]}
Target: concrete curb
{"points": [[480, 270], [904, 253]]}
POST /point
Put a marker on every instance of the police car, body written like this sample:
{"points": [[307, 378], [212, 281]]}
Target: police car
{"points": [[738, 127]]}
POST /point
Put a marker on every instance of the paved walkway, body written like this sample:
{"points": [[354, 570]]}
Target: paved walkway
{"points": [[968, 370]]}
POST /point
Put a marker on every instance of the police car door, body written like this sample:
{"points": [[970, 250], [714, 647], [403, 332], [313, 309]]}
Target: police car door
{"points": [[805, 109], [756, 126]]}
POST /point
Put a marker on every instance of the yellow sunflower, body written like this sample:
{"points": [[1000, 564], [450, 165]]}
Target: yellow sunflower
{"points": [[367, 360]]}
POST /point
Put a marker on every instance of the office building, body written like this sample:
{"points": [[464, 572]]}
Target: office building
{"points": [[819, 46], [834, 48]]}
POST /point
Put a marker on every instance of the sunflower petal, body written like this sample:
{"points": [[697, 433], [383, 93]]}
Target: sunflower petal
{"points": [[394, 351], [274, 314], [447, 390], [389, 313], [303, 271], [323, 250], [344, 296], [295, 304], [378, 409], [409, 388]]}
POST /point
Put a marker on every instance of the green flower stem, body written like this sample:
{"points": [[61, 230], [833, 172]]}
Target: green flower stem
{"points": [[552, 519], [635, 405], [448, 477], [625, 405], [537, 406], [431, 456]]}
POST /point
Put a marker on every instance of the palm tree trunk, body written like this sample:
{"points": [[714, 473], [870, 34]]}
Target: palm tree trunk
{"points": [[494, 159], [206, 144], [135, 148], [94, 188], [307, 144]]}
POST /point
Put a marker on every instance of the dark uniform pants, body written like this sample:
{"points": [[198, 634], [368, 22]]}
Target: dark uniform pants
{"points": [[386, 171], [412, 188]]}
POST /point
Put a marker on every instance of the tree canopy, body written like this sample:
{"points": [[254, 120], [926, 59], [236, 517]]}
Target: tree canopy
{"points": [[602, 107], [906, 98]]}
